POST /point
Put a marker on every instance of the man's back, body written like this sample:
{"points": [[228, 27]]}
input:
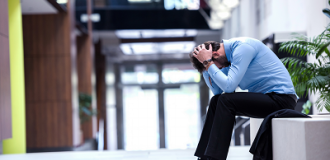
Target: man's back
{"points": [[265, 72]]}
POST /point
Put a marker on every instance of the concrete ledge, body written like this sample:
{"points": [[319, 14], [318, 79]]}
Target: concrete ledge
{"points": [[301, 138], [255, 124]]}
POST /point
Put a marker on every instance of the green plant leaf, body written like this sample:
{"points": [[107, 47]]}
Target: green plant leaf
{"points": [[323, 101], [322, 48], [87, 111], [312, 77]]}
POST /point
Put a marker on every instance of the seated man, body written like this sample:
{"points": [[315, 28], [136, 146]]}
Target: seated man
{"points": [[249, 64]]}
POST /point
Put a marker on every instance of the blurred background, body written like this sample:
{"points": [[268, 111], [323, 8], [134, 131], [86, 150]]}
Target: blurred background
{"points": [[115, 74]]}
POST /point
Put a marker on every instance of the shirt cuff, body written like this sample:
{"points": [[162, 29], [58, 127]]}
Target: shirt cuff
{"points": [[213, 69]]}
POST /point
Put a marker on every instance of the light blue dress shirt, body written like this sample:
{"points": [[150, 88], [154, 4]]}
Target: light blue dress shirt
{"points": [[253, 66]]}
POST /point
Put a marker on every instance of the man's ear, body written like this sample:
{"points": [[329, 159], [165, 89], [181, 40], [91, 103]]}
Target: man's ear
{"points": [[215, 53]]}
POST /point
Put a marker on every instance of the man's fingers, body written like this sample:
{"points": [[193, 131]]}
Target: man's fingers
{"points": [[210, 47], [199, 48], [195, 51], [203, 46]]}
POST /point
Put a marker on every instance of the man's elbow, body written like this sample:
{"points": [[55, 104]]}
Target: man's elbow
{"points": [[229, 89]]}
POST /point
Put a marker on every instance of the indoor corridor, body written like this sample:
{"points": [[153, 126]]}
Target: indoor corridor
{"points": [[235, 153]]}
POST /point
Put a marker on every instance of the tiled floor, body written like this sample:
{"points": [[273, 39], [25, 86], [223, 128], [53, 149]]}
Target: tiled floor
{"points": [[235, 153]]}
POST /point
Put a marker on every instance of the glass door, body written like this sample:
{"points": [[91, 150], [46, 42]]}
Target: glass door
{"points": [[140, 118]]}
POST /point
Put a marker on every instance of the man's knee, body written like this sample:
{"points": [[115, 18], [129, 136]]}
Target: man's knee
{"points": [[214, 100], [226, 102]]}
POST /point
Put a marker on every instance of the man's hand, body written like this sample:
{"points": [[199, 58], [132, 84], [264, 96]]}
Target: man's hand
{"points": [[202, 54]]}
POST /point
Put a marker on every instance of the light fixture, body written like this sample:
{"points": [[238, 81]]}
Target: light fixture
{"points": [[157, 48], [221, 15], [231, 3], [181, 4], [215, 24], [61, 1], [139, 1], [220, 11], [213, 4], [163, 33], [95, 17]]}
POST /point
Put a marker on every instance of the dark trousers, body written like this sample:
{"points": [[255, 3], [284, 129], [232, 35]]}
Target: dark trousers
{"points": [[217, 131]]}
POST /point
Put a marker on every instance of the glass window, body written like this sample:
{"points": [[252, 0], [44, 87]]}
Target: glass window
{"points": [[141, 123], [139, 74], [180, 73], [182, 117]]}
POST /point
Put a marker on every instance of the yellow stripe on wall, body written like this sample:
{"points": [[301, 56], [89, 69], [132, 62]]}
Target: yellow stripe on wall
{"points": [[17, 144]]}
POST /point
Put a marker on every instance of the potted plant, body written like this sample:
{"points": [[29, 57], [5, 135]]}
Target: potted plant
{"points": [[85, 111], [313, 77]]}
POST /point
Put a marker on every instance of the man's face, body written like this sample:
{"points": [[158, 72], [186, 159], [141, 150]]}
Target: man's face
{"points": [[219, 57]]}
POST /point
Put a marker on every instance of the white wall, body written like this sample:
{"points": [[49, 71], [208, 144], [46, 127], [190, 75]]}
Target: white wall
{"points": [[243, 21], [282, 16], [316, 22], [277, 16]]}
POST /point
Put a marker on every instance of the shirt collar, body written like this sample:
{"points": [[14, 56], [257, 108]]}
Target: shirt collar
{"points": [[228, 51]]}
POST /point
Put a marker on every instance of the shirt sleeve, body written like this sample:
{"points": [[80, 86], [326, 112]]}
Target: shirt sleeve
{"points": [[214, 88], [241, 58], [212, 85]]}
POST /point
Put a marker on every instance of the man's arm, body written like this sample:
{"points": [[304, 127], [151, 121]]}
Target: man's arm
{"points": [[242, 56], [209, 82]]}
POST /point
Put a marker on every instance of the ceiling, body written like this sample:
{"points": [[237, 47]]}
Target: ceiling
{"points": [[174, 50], [37, 7]]}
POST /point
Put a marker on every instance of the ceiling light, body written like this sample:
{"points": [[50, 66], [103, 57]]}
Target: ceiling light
{"points": [[125, 48], [139, 1], [122, 34], [176, 47], [163, 33], [220, 15], [215, 24], [219, 7], [181, 4], [149, 33], [61, 1], [223, 15], [95, 17], [191, 32], [158, 48], [230, 3]]}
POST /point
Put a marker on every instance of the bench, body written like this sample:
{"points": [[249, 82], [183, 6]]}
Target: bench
{"points": [[298, 138]]}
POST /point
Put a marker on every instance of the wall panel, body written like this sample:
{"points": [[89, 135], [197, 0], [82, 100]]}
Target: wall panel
{"points": [[5, 90], [100, 67], [49, 71], [84, 67]]}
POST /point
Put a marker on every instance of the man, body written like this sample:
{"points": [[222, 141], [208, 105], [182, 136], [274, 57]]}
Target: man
{"points": [[240, 62]]}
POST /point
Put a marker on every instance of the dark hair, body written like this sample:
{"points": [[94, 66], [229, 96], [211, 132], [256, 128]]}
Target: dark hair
{"points": [[198, 65]]}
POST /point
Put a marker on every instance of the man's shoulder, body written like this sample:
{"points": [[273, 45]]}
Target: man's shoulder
{"points": [[239, 41], [242, 40]]}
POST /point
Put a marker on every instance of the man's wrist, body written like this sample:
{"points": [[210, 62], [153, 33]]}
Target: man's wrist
{"points": [[206, 62], [208, 65]]}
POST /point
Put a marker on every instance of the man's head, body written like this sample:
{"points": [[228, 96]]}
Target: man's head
{"points": [[218, 56]]}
